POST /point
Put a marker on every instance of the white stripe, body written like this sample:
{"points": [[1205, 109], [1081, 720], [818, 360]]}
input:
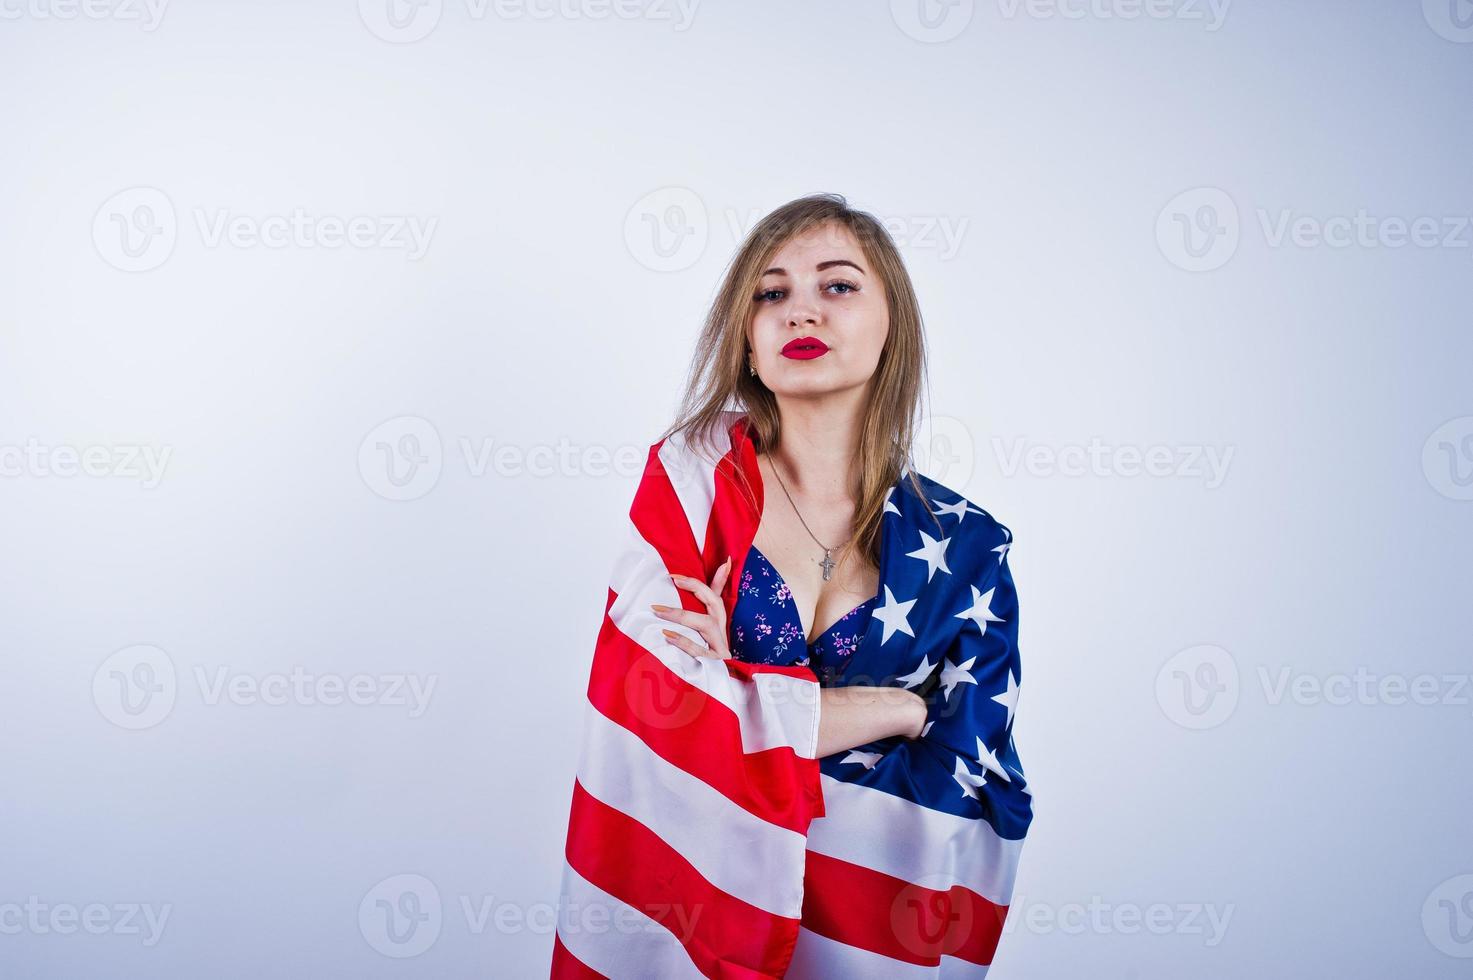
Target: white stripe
{"points": [[694, 477], [775, 711], [821, 958], [735, 850], [614, 938], [881, 831]]}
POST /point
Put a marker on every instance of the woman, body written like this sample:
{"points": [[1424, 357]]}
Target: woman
{"points": [[799, 758]]}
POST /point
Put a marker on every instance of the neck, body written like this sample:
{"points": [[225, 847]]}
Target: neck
{"points": [[820, 444]]}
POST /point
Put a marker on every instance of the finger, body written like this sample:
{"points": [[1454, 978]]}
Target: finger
{"points": [[702, 591], [686, 644], [698, 621]]}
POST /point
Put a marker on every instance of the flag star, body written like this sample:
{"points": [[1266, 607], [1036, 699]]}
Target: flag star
{"points": [[926, 728], [866, 759], [987, 759], [1009, 698], [1024, 787], [919, 674], [960, 509], [967, 780], [932, 552], [981, 611], [890, 507], [1002, 551], [893, 614], [954, 674]]}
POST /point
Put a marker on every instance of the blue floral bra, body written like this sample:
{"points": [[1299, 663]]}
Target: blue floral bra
{"points": [[766, 628]]}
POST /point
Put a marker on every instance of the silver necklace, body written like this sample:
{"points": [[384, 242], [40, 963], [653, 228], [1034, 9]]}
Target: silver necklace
{"points": [[828, 562]]}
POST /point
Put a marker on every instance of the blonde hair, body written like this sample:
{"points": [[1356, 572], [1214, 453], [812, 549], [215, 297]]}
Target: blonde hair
{"points": [[718, 372]]}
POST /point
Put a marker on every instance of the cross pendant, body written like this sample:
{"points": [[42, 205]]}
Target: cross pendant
{"points": [[827, 565]]}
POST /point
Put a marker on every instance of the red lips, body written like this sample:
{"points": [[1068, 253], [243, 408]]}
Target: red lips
{"points": [[804, 348]]}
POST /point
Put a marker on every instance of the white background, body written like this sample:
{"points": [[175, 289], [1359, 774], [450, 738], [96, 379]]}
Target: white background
{"points": [[583, 178]]}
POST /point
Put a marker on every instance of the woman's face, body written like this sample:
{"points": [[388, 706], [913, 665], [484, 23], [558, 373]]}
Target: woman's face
{"points": [[819, 285]]}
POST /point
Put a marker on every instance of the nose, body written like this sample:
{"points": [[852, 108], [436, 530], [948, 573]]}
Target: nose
{"points": [[802, 314]]}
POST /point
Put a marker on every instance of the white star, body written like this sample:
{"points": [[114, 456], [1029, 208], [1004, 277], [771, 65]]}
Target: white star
{"points": [[890, 507], [968, 780], [919, 674], [1024, 787], [932, 552], [954, 674], [893, 615], [866, 759], [1009, 698], [926, 728], [1002, 551], [960, 509], [981, 611], [987, 759]]}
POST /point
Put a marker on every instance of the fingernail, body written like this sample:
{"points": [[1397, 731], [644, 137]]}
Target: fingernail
{"points": [[659, 608], [669, 632]]}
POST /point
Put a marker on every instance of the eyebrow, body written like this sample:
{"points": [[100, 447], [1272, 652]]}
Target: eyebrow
{"points": [[780, 271]]}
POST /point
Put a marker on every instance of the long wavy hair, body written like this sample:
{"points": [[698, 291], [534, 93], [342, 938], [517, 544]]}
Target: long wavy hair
{"points": [[719, 381]]}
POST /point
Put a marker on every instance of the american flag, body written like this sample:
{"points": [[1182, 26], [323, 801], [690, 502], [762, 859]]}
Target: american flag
{"points": [[707, 839]]}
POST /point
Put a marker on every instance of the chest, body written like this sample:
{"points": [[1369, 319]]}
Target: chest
{"points": [[796, 558]]}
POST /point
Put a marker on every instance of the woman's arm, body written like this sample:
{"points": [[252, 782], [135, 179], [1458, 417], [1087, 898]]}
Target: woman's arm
{"points": [[850, 716], [847, 716]]}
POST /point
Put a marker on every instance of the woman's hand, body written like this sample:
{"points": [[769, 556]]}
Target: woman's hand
{"points": [[711, 624], [918, 716], [849, 717]]}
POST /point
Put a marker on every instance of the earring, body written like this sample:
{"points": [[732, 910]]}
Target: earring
{"points": [[750, 369]]}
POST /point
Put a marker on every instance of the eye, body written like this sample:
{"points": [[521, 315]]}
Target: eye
{"points": [[768, 295], [849, 287]]}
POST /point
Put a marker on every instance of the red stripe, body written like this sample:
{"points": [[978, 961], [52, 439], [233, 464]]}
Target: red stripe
{"points": [[724, 936], [896, 918], [660, 519], [734, 521], [688, 728], [566, 966]]}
